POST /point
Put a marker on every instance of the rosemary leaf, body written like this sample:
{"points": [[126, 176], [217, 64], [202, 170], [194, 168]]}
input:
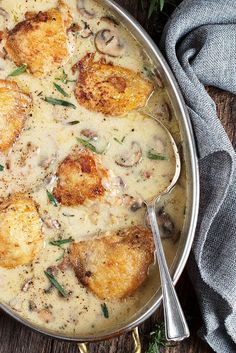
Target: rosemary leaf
{"points": [[162, 3], [74, 122], [158, 339], [105, 310], [152, 7], [64, 78], [55, 101], [20, 70], [120, 142], [56, 284], [151, 154], [61, 90], [62, 255], [87, 144], [1, 168], [61, 242], [52, 199]]}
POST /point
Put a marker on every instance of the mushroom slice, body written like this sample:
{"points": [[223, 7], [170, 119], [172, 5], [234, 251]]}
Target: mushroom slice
{"points": [[130, 157], [110, 20], [4, 13], [108, 42], [83, 11]]}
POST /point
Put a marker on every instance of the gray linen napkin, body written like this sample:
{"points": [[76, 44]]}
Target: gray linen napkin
{"points": [[199, 42]]}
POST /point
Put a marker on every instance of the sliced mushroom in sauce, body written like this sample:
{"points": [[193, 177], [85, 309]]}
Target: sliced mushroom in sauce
{"points": [[130, 157], [108, 42], [166, 224], [81, 6]]}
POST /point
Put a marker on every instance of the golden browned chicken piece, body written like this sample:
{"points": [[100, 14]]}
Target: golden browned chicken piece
{"points": [[114, 266], [14, 107], [79, 178], [41, 41], [109, 89], [21, 236]]}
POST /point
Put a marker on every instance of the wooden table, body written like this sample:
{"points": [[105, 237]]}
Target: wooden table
{"points": [[15, 338]]}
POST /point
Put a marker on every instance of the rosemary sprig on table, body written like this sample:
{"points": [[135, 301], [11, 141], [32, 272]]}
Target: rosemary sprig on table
{"points": [[154, 6], [158, 339]]}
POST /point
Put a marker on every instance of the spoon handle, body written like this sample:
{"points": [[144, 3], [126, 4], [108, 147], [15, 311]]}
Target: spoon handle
{"points": [[176, 327]]}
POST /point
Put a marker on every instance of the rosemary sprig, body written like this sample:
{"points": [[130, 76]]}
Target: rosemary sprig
{"points": [[89, 145], [61, 242], [20, 70], [55, 101], [154, 6], [158, 339], [56, 284], [151, 154], [105, 310], [60, 89], [52, 199], [64, 78]]}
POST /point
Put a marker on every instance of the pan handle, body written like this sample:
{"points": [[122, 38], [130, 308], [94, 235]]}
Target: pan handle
{"points": [[83, 347]]}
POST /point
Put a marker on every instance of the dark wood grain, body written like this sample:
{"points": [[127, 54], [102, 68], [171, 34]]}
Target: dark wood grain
{"points": [[15, 338]]}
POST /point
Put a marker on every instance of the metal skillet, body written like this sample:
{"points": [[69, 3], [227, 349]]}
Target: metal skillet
{"points": [[190, 158]]}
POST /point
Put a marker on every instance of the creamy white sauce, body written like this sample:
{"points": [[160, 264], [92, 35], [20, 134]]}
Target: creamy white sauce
{"points": [[52, 139]]}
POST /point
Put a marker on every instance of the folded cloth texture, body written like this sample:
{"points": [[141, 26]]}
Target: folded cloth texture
{"points": [[199, 42]]}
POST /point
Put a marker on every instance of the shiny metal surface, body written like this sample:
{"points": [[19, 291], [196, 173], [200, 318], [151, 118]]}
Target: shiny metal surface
{"points": [[176, 327], [190, 156]]}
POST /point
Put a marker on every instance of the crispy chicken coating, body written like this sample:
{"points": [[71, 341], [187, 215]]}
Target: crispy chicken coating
{"points": [[109, 89], [41, 41], [79, 178], [14, 107], [21, 236], [114, 266]]}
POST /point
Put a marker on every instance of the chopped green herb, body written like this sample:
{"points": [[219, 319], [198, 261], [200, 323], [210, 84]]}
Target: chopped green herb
{"points": [[61, 242], [68, 215], [87, 144], [158, 339], [120, 142], [1, 168], [64, 78], [56, 284], [154, 5], [61, 90], [20, 70], [156, 156], [105, 310], [55, 101], [74, 122], [147, 71], [123, 138], [52, 199], [62, 255]]}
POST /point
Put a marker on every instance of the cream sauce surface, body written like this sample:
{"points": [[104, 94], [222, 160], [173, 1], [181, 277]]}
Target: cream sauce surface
{"points": [[51, 137]]}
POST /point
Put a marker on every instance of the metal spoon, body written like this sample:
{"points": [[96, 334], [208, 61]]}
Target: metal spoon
{"points": [[176, 327]]}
